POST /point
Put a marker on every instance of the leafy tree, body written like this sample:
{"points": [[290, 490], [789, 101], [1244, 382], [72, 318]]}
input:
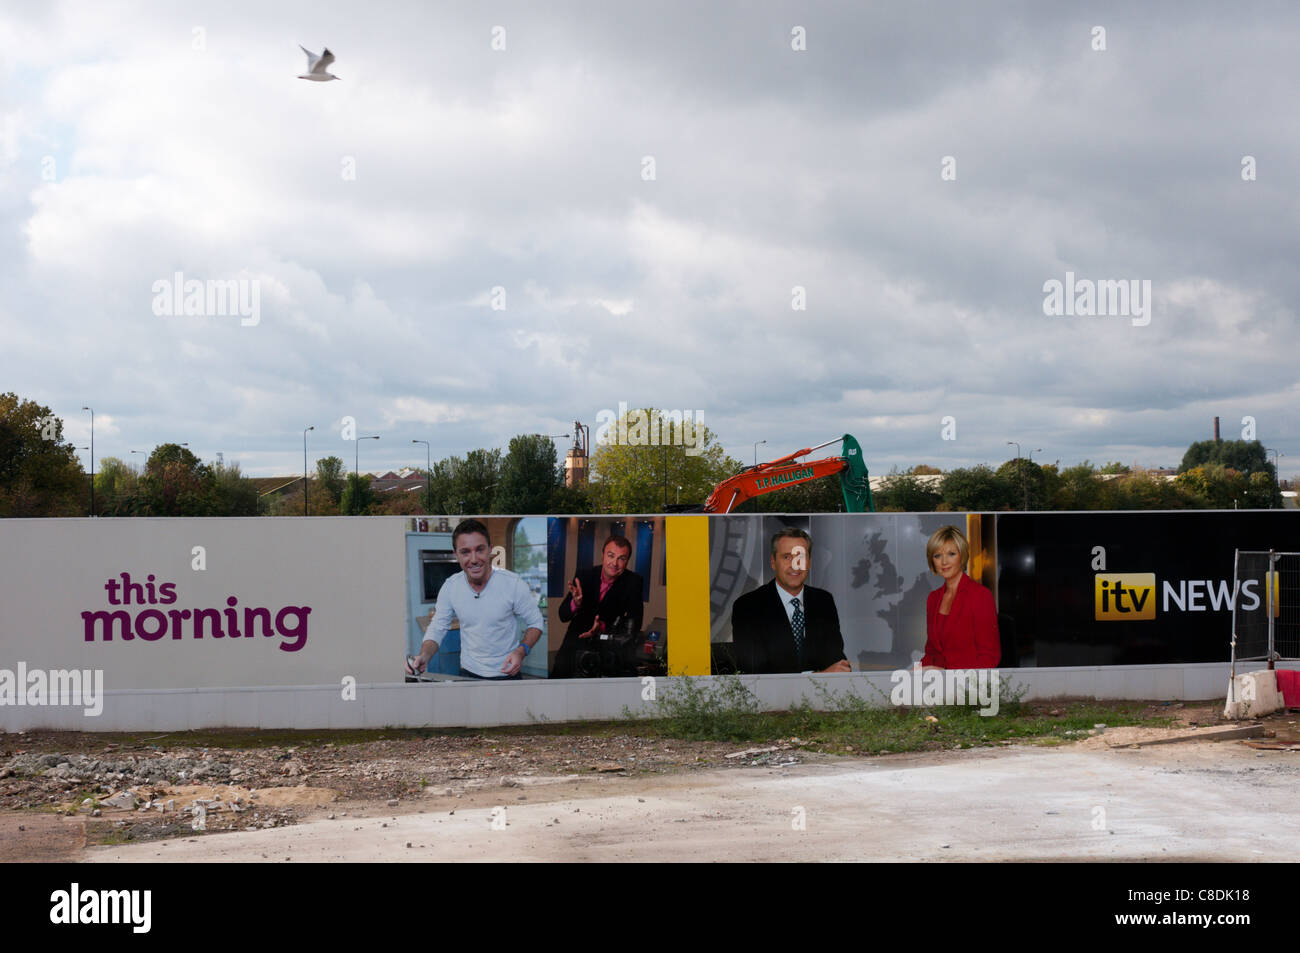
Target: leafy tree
{"points": [[177, 483], [1262, 492], [40, 474], [329, 477], [1223, 487], [1142, 491], [638, 476], [472, 482], [978, 489], [1027, 481], [234, 494], [117, 488], [904, 493], [357, 496], [566, 500], [922, 469], [528, 476], [1115, 467], [1078, 489], [1244, 456]]}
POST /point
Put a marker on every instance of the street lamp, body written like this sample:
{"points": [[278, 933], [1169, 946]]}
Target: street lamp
{"points": [[304, 469], [356, 468], [92, 459], [756, 451], [428, 475], [679, 496], [1012, 443]]}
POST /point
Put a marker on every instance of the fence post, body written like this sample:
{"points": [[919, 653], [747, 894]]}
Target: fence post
{"points": [[1272, 574]]}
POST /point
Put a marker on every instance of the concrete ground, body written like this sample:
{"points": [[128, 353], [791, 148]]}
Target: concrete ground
{"points": [[1199, 800]]}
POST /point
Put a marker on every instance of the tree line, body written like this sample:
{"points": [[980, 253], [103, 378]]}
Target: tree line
{"points": [[41, 475]]}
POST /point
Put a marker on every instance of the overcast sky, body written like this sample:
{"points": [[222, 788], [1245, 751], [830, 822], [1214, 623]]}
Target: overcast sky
{"points": [[377, 214]]}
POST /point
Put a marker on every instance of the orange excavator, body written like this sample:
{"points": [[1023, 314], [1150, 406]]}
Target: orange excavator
{"points": [[785, 471]]}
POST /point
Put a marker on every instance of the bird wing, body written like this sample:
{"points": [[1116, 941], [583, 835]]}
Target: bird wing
{"points": [[312, 58], [326, 58]]}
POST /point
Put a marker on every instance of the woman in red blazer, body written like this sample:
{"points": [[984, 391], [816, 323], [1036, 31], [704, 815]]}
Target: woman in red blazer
{"points": [[961, 620]]}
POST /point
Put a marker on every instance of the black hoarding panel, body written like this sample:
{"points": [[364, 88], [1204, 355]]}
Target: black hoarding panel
{"points": [[1129, 588]]}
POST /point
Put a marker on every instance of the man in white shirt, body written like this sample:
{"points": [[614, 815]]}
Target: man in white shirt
{"points": [[487, 602]]}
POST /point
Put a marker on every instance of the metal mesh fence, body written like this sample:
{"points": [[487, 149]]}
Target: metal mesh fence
{"points": [[1266, 608]]}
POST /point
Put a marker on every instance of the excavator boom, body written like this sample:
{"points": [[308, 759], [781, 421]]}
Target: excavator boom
{"points": [[787, 471]]}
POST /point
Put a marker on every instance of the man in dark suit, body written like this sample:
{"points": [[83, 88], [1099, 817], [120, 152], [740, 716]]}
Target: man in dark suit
{"points": [[787, 626], [604, 598]]}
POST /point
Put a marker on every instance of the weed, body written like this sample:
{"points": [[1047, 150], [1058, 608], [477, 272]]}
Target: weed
{"points": [[723, 710]]}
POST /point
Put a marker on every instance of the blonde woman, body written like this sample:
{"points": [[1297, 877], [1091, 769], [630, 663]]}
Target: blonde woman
{"points": [[961, 620]]}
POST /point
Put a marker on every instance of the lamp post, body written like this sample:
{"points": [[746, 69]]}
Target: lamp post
{"points": [[304, 469], [92, 459], [428, 475], [1012, 443], [756, 467], [356, 468]]}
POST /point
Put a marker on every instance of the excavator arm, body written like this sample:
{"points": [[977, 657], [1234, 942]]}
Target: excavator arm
{"points": [[787, 471]]}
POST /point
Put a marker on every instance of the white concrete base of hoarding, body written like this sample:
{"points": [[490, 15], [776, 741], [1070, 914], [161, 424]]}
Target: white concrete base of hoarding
{"points": [[473, 704], [1253, 695]]}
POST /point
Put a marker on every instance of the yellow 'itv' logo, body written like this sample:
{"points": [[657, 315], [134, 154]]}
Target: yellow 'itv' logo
{"points": [[1125, 596]]}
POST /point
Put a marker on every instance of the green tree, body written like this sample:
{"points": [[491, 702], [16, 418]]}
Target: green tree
{"points": [[1143, 491], [233, 493], [1027, 482], [177, 483], [1262, 492], [117, 488], [357, 496], [904, 493], [1244, 456], [637, 466], [1078, 489], [528, 476], [329, 477], [40, 474], [471, 483], [978, 489], [566, 500]]}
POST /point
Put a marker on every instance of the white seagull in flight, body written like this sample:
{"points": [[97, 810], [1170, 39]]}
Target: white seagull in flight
{"points": [[316, 65]]}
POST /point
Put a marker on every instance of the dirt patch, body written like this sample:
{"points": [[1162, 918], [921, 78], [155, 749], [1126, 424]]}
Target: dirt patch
{"points": [[40, 838], [146, 790]]}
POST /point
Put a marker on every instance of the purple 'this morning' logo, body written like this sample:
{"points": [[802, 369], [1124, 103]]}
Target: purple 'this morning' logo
{"points": [[142, 621]]}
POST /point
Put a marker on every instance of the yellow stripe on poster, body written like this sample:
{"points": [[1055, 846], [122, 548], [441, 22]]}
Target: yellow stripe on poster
{"points": [[688, 594]]}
